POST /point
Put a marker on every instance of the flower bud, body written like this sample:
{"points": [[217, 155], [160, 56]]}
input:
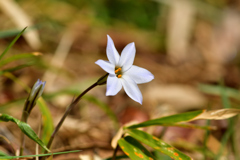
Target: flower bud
{"points": [[37, 90], [35, 93]]}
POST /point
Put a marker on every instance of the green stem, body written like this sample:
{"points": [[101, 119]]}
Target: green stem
{"points": [[28, 106], [100, 81], [23, 119], [67, 112]]}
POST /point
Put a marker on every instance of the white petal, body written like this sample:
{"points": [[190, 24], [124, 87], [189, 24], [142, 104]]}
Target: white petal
{"points": [[106, 66], [127, 56], [139, 75], [112, 53], [131, 88], [114, 85]]}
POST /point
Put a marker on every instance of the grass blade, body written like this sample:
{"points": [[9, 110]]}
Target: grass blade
{"points": [[18, 57], [133, 149], [157, 144], [168, 120], [15, 68], [216, 90], [38, 155], [12, 43], [226, 104], [25, 128], [47, 120], [9, 33]]}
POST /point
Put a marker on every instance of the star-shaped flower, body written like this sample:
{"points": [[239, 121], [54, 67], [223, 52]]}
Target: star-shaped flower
{"points": [[122, 72]]}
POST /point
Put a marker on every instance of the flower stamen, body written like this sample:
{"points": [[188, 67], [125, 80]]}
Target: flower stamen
{"points": [[118, 72]]}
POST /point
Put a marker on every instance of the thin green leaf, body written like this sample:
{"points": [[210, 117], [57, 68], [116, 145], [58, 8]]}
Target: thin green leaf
{"points": [[9, 33], [133, 149], [168, 120], [3, 154], [12, 43], [205, 140], [233, 122], [17, 57], [157, 144], [229, 133], [216, 90], [14, 32], [38, 155], [25, 128], [47, 120], [15, 68], [192, 126], [225, 101]]}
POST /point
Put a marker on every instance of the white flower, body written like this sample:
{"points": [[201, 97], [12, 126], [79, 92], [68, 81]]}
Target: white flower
{"points": [[122, 72]]}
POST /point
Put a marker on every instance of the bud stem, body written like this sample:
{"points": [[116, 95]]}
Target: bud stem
{"points": [[35, 93], [100, 81], [67, 112]]}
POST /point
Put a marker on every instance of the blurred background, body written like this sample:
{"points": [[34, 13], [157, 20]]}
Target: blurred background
{"points": [[191, 47]]}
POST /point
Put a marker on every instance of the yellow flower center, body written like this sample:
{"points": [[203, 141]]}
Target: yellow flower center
{"points": [[118, 72]]}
